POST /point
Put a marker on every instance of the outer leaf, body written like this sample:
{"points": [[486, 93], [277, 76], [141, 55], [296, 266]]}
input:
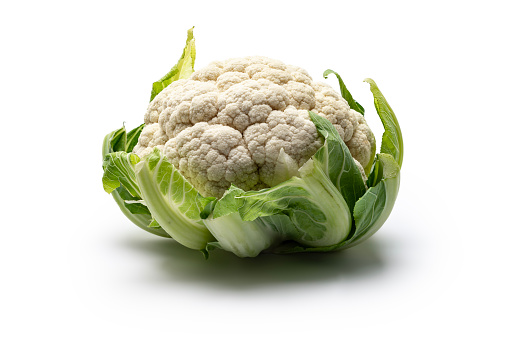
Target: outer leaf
{"points": [[140, 220], [353, 104], [120, 140], [137, 208], [133, 204], [314, 212], [228, 203], [125, 195], [337, 162], [132, 138], [372, 210], [116, 141], [173, 201], [243, 238], [119, 170], [183, 68], [392, 137]]}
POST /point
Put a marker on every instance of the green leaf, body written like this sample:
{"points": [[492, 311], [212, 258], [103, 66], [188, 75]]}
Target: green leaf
{"points": [[183, 68], [172, 200], [208, 208], [154, 224], [119, 170], [116, 141], [372, 210], [353, 104], [140, 220], [300, 209], [137, 208], [304, 218], [309, 210], [291, 194], [212, 246], [119, 140], [132, 138], [228, 203], [243, 238], [392, 142], [376, 174], [337, 162]]}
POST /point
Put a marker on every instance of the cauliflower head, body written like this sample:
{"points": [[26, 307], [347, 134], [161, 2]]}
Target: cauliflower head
{"points": [[245, 122]]}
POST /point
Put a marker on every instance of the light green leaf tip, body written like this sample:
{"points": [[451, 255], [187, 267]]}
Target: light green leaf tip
{"points": [[183, 68], [392, 142]]}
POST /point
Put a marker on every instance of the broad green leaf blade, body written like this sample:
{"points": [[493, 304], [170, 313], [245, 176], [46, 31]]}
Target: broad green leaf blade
{"points": [[132, 138], [312, 210], [337, 162], [289, 195], [172, 200], [392, 142], [183, 68], [353, 104], [119, 170]]}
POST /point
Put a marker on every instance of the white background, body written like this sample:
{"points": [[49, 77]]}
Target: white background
{"points": [[74, 267]]}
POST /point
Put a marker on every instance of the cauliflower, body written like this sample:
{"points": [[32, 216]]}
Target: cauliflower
{"points": [[251, 155], [235, 122]]}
